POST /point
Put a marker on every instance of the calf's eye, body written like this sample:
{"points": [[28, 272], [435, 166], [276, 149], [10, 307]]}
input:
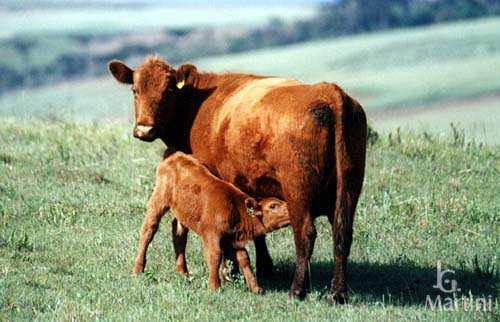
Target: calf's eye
{"points": [[273, 206]]}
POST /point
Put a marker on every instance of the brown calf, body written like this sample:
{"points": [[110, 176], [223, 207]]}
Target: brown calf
{"points": [[271, 137], [224, 216]]}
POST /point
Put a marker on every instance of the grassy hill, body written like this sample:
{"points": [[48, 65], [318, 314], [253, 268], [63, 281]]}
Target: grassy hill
{"points": [[396, 68], [449, 67], [46, 43], [420, 78], [96, 19], [72, 198]]}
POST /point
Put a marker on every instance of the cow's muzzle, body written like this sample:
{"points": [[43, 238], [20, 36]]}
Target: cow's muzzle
{"points": [[145, 133]]}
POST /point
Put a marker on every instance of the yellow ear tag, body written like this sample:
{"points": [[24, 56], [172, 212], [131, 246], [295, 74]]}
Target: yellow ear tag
{"points": [[180, 84]]}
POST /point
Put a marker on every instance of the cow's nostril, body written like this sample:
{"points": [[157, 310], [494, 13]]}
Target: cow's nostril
{"points": [[145, 133], [144, 129]]}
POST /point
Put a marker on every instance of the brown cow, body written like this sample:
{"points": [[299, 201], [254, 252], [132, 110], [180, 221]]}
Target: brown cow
{"points": [[271, 137], [224, 216]]}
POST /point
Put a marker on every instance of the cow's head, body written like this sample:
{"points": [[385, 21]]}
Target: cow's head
{"points": [[155, 86]]}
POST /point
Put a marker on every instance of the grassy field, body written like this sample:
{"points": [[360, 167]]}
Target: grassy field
{"points": [[127, 18], [72, 198], [437, 75], [477, 116]]}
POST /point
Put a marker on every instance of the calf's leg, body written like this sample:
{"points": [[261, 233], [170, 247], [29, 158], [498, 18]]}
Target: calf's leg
{"points": [[179, 238], [157, 207], [213, 256], [244, 263]]}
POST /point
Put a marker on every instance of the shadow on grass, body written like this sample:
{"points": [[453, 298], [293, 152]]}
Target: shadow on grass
{"points": [[396, 284]]}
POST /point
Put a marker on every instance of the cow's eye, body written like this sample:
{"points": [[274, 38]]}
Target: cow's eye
{"points": [[134, 91]]}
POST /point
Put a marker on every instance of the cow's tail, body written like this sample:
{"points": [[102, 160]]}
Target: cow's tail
{"points": [[341, 216], [350, 152]]}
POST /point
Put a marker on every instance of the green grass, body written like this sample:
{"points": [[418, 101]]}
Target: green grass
{"points": [[478, 117], [128, 18], [72, 198], [97, 100]]}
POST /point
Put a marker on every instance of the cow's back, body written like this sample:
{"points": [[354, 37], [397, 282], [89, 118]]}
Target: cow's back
{"points": [[245, 133]]}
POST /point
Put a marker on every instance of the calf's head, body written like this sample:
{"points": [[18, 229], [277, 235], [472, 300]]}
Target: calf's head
{"points": [[272, 212], [156, 87]]}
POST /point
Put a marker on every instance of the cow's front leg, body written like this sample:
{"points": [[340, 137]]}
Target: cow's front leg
{"points": [[263, 260]]}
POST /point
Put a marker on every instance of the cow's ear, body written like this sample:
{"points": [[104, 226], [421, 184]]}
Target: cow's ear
{"points": [[253, 207], [184, 74], [121, 72]]}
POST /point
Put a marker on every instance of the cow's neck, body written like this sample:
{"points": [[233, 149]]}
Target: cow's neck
{"points": [[202, 81], [198, 87]]}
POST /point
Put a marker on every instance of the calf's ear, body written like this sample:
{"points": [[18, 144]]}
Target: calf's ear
{"points": [[253, 207], [121, 72]]}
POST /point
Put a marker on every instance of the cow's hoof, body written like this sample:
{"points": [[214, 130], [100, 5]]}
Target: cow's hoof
{"points": [[296, 294], [183, 272], [336, 297]]}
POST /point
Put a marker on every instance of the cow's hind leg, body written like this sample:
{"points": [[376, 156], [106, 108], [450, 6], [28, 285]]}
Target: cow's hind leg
{"points": [[341, 218], [342, 223], [304, 234], [350, 165], [179, 238]]}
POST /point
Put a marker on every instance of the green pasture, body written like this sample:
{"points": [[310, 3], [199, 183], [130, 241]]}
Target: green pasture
{"points": [[72, 197], [478, 117]]}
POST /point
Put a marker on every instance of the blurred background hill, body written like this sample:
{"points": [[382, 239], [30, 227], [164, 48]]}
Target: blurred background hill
{"points": [[419, 64]]}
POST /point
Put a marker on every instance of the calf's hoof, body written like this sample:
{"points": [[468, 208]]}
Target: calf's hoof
{"points": [[337, 297], [257, 290], [138, 268], [213, 285]]}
